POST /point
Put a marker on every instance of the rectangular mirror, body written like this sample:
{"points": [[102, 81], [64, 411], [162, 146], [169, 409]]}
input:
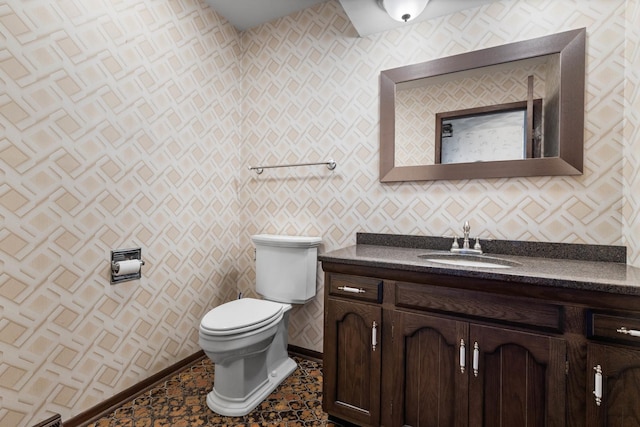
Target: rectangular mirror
{"points": [[525, 101]]}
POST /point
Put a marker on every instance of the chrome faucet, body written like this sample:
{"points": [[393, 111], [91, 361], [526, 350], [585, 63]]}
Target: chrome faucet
{"points": [[466, 249]]}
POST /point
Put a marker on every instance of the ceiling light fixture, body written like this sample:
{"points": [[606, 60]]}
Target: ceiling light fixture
{"points": [[403, 10]]}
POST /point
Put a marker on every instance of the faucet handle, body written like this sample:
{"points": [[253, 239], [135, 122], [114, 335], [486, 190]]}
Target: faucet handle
{"points": [[455, 245], [477, 246]]}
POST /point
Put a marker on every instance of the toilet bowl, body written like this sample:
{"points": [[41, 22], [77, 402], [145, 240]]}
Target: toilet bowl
{"points": [[246, 339]]}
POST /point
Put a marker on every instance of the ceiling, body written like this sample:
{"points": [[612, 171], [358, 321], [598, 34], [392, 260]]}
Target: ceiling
{"points": [[365, 15], [245, 14]]}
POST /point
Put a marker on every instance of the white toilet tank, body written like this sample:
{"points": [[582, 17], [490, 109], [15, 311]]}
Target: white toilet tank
{"points": [[286, 267]]}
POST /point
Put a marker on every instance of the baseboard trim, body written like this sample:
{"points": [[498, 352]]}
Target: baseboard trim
{"points": [[54, 421], [124, 396], [305, 353]]}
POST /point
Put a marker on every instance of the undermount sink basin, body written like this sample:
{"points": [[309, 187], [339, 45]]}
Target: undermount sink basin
{"points": [[469, 260]]}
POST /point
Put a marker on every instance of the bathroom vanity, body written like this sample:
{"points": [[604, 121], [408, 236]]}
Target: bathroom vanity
{"points": [[546, 341]]}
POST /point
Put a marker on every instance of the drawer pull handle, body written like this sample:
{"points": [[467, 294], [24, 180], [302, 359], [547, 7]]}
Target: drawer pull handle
{"points": [[632, 332], [463, 356], [476, 358], [352, 290], [597, 392], [374, 335]]}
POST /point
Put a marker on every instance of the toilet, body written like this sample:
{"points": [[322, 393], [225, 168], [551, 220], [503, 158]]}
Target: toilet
{"points": [[246, 339]]}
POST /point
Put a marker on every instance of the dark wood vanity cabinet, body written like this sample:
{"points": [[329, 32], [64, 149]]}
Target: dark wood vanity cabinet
{"points": [[618, 404], [520, 380], [440, 357], [456, 373], [429, 383], [352, 357], [613, 369]]}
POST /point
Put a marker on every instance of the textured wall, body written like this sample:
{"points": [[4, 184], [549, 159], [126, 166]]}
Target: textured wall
{"points": [[313, 93], [119, 127], [632, 133], [130, 123]]}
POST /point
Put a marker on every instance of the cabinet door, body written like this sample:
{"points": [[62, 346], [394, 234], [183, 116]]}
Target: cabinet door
{"points": [[430, 387], [619, 369], [351, 361], [519, 378]]}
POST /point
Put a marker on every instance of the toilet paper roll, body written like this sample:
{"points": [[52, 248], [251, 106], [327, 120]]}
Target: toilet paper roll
{"points": [[130, 266]]}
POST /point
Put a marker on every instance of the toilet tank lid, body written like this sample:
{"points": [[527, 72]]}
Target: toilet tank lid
{"points": [[286, 241], [240, 313]]}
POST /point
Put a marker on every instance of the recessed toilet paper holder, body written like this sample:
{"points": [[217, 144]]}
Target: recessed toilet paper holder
{"points": [[121, 259]]}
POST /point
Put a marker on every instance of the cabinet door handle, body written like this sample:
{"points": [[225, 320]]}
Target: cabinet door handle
{"points": [[625, 331], [476, 358], [463, 356], [597, 392], [374, 335], [352, 290]]}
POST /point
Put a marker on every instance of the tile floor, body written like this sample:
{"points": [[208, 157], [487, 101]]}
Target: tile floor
{"points": [[180, 401]]}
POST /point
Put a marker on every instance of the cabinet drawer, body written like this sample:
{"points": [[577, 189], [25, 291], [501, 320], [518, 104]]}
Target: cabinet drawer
{"points": [[355, 287], [614, 326], [480, 305]]}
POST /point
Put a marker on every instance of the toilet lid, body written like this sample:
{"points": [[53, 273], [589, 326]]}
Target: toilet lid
{"points": [[240, 315]]}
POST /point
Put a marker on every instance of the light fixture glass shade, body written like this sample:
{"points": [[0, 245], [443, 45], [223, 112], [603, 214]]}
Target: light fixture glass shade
{"points": [[403, 10]]}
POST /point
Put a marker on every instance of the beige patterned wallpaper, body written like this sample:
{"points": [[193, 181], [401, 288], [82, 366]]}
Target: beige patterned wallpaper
{"points": [[312, 89], [631, 211], [119, 127], [131, 123]]}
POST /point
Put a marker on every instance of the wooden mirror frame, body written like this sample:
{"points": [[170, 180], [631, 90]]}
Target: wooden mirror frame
{"points": [[570, 46]]}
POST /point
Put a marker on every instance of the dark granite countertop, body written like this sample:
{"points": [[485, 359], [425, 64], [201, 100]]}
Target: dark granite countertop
{"points": [[575, 273]]}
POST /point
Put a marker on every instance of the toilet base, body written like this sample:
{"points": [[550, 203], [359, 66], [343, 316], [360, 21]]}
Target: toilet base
{"points": [[230, 407]]}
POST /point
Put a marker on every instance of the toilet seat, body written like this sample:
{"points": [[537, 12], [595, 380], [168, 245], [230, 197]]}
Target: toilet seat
{"points": [[240, 316]]}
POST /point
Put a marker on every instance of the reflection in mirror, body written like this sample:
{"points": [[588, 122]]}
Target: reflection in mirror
{"points": [[472, 96], [523, 123], [511, 131], [481, 138]]}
